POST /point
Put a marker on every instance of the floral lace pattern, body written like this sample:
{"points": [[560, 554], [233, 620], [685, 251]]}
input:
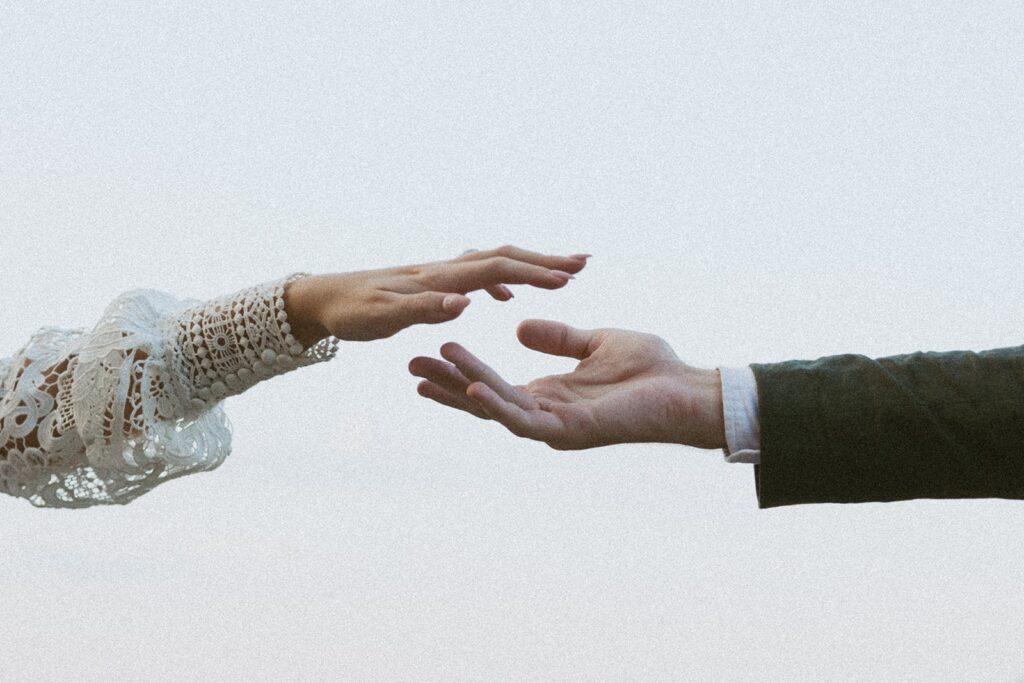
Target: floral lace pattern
{"points": [[103, 416]]}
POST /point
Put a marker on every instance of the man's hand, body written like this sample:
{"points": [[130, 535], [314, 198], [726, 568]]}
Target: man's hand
{"points": [[628, 387], [374, 304]]}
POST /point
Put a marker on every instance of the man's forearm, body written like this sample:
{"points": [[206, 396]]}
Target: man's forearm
{"points": [[925, 425]]}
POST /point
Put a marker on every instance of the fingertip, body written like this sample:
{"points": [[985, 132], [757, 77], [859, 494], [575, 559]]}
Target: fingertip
{"points": [[500, 293], [527, 327], [559, 279], [481, 395], [556, 338], [454, 304], [577, 263], [449, 349], [416, 365], [478, 390]]}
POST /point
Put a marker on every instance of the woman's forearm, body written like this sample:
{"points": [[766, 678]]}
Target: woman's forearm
{"points": [[103, 415]]}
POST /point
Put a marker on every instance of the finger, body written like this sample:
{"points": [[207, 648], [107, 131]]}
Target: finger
{"points": [[467, 276], [558, 339], [441, 373], [428, 389], [532, 424], [570, 264], [430, 308], [476, 370], [500, 292]]}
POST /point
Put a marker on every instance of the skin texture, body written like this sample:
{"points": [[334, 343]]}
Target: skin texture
{"points": [[375, 304], [628, 387]]}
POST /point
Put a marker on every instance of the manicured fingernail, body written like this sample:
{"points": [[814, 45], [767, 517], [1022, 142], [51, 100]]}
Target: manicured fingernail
{"points": [[506, 291], [562, 274], [453, 303]]}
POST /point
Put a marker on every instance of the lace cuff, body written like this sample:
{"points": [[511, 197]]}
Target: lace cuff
{"points": [[227, 345], [104, 416]]}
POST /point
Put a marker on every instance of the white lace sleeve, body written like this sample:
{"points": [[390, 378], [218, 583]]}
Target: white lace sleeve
{"points": [[102, 416]]}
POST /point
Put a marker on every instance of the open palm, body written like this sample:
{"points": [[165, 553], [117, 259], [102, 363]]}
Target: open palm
{"points": [[628, 387]]}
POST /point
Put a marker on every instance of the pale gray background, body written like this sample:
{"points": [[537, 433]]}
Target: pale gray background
{"points": [[757, 181]]}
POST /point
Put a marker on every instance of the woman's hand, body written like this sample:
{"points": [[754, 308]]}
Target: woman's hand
{"points": [[628, 387], [375, 304]]}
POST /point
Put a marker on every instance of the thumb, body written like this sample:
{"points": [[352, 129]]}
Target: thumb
{"points": [[558, 339], [432, 307]]}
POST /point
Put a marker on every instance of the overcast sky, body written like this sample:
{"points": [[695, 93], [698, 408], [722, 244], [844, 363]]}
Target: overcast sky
{"points": [[756, 181]]}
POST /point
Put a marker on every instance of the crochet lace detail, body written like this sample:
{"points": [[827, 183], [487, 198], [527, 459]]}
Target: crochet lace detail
{"points": [[103, 416]]}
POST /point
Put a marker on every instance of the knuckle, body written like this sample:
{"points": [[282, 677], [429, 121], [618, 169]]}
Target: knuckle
{"points": [[500, 262]]}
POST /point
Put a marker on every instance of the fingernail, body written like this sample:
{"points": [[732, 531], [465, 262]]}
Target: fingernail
{"points": [[563, 275], [454, 303], [581, 257]]}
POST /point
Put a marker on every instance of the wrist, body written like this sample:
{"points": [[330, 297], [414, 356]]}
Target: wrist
{"points": [[701, 419], [303, 302], [224, 346]]}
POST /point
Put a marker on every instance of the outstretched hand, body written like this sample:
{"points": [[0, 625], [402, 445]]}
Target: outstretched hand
{"points": [[628, 387], [374, 304]]}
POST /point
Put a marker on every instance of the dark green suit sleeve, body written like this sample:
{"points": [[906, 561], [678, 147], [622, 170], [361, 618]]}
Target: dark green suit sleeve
{"points": [[850, 429]]}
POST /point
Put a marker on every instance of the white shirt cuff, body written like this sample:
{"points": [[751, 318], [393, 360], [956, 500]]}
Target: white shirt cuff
{"points": [[742, 423]]}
